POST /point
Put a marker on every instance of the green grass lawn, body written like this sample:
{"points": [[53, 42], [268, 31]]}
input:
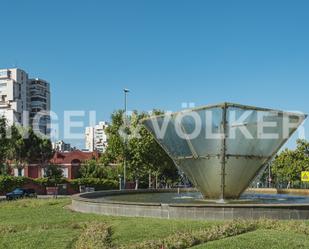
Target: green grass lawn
{"points": [[48, 224]]}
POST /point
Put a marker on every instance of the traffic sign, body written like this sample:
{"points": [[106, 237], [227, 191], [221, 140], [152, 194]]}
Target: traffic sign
{"points": [[305, 176]]}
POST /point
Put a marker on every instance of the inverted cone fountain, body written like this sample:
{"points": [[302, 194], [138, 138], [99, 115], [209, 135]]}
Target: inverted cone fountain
{"points": [[221, 148]]}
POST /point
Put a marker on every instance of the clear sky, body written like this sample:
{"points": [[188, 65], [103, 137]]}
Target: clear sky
{"points": [[166, 52]]}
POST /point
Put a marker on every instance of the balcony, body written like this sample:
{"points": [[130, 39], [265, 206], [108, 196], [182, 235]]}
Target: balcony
{"points": [[4, 104]]}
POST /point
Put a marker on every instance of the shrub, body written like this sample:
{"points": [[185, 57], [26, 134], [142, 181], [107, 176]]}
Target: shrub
{"points": [[41, 181], [95, 235], [8, 183], [97, 183], [293, 225], [188, 239]]}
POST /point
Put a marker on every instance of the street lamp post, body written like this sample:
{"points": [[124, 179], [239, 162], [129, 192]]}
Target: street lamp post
{"points": [[120, 182], [125, 91], [269, 175]]}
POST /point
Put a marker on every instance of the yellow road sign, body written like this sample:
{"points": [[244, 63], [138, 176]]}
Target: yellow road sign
{"points": [[305, 176]]}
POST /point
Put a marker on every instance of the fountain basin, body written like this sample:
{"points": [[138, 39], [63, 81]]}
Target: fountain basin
{"points": [[171, 205]]}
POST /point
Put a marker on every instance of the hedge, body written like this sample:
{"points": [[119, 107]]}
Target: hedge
{"points": [[95, 235], [98, 235], [97, 183], [8, 183]]}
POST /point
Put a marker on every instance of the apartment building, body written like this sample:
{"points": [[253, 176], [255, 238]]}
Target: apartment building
{"points": [[61, 146], [13, 95], [89, 138], [39, 94], [96, 138], [22, 98]]}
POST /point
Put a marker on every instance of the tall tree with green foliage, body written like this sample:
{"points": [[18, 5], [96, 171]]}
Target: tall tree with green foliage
{"points": [[20, 146], [4, 142], [44, 151], [92, 169], [144, 155], [116, 146], [17, 151], [288, 165]]}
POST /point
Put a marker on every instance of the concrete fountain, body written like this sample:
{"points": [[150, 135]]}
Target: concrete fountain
{"points": [[221, 148]]}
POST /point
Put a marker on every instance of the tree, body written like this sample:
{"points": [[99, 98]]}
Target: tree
{"points": [[20, 146], [92, 169], [54, 174], [17, 150], [288, 165], [145, 158], [44, 151], [116, 146], [3, 146]]}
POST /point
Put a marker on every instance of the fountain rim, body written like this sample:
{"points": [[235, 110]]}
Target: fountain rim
{"points": [[91, 197]]}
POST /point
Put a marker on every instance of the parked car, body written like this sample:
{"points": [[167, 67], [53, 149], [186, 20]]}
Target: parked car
{"points": [[21, 193]]}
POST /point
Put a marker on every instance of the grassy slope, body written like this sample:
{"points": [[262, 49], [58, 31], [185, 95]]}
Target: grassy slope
{"points": [[260, 239], [46, 224]]}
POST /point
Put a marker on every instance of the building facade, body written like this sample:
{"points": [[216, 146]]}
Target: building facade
{"points": [[61, 146], [89, 138], [21, 99], [96, 137], [69, 162], [13, 95], [39, 95]]}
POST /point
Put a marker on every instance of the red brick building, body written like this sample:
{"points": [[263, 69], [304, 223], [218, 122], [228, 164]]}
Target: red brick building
{"points": [[70, 163]]}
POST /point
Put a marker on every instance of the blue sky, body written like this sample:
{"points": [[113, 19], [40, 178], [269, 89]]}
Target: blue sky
{"points": [[167, 52]]}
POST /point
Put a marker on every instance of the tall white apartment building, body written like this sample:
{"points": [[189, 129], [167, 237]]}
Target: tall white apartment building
{"points": [[96, 138], [13, 95], [22, 98]]}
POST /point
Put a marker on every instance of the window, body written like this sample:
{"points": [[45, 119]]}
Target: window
{"points": [[2, 85], [3, 73]]}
